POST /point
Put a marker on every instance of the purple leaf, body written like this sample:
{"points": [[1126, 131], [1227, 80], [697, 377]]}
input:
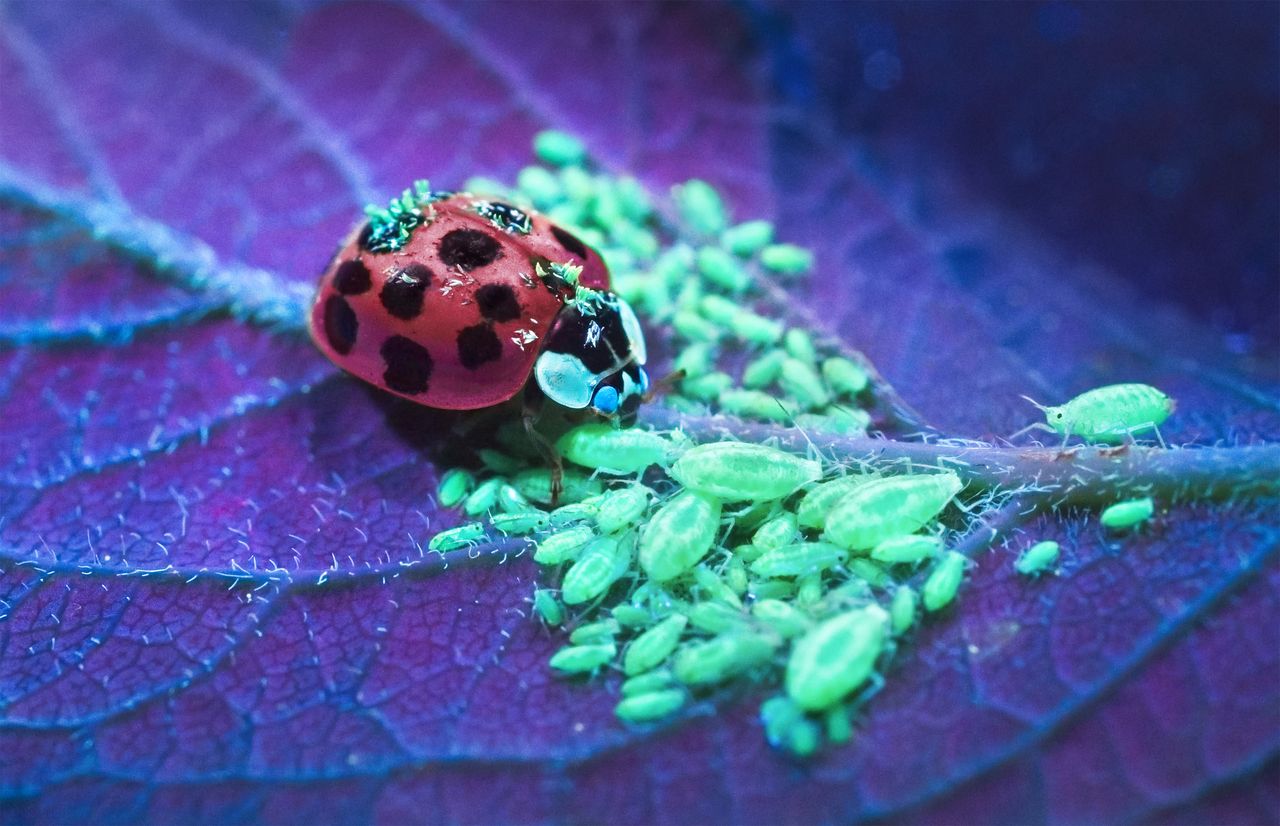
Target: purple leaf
{"points": [[215, 601]]}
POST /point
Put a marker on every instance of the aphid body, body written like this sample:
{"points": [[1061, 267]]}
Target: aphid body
{"points": [[1110, 414], [678, 535], [835, 657], [1126, 514], [1038, 558], [888, 507], [738, 471]]}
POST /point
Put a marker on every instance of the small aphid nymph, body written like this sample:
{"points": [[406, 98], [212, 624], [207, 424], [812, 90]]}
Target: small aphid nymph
{"points": [[1127, 514], [1108, 414]]}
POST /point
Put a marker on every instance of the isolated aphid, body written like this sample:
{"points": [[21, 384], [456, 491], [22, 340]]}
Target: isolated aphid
{"points": [[782, 618], [717, 617], [1037, 559], [944, 580], [602, 446], [889, 506], [1128, 513], [911, 548], [720, 658], [786, 727], [845, 377], [701, 207], [799, 345], [577, 659], [714, 588], [598, 567], [819, 500], [738, 471], [838, 723], [651, 648], [622, 508], [520, 523], [459, 537], [835, 657], [631, 616], [595, 632], [748, 237], [798, 559], [655, 705], [778, 531], [1109, 414], [544, 602], [647, 682], [454, 487], [678, 535], [706, 387], [902, 610], [558, 148], [536, 485], [802, 383], [787, 259], [483, 498], [764, 371]]}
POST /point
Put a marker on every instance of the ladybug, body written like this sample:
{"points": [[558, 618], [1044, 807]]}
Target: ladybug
{"points": [[454, 301]]}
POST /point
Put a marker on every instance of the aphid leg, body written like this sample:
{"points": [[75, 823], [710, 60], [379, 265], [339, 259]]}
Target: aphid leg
{"points": [[1159, 437], [533, 406], [663, 385], [1034, 426]]}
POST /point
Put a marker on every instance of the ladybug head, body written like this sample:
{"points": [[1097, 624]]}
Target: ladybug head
{"points": [[594, 358]]}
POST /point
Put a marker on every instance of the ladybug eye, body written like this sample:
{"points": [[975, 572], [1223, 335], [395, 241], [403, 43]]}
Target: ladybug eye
{"points": [[606, 400]]}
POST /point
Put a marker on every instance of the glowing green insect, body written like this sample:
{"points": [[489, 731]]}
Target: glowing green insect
{"points": [[764, 371], [713, 587], [633, 199], [652, 706], [535, 485], [783, 619], [678, 535], [701, 207], [787, 259], [870, 572], [706, 387], [735, 576], [798, 559], [889, 506], [835, 657], [718, 659], [511, 500], [569, 514], [483, 498], [717, 617], [638, 241], [544, 602], [458, 537], [722, 269], [903, 608], [614, 450], [844, 376], [454, 487], [563, 546], [539, 186], [647, 682], [499, 462], [799, 345], [559, 148], [771, 589], [519, 523], [1126, 514], [1037, 559], [839, 725], [695, 360], [577, 659], [651, 648], [742, 323], [913, 548], [944, 580], [631, 616], [737, 471], [748, 237], [694, 327], [809, 588], [755, 404], [595, 632], [848, 421], [786, 727], [1108, 414], [819, 500], [622, 508], [596, 569], [778, 531], [580, 188], [802, 383]]}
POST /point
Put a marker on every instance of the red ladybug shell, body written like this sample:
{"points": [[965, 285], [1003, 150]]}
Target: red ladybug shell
{"points": [[456, 317]]}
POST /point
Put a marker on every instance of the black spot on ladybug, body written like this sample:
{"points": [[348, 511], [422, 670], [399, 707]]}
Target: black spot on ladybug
{"points": [[478, 346], [352, 277], [340, 324], [505, 216], [497, 302], [409, 365], [468, 249], [570, 242], [402, 292]]}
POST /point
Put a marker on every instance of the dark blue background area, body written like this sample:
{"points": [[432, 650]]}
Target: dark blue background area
{"points": [[1141, 136]]}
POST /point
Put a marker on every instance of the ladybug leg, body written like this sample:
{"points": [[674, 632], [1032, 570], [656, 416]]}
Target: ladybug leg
{"points": [[533, 406]]}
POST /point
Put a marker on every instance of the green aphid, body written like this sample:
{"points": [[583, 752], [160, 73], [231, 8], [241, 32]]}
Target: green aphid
{"points": [[535, 485], [755, 404], [1108, 414], [786, 259], [820, 499], [459, 537], [483, 185], [568, 214], [1127, 514], [558, 148], [842, 421], [631, 616], [889, 506], [544, 602], [617, 259], [722, 269], [845, 377], [771, 589], [713, 587], [454, 487], [539, 186], [563, 546], [595, 632], [622, 508], [695, 360], [647, 682], [674, 266], [631, 286], [572, 514], [484, 497], [902, 610], [752, 515], [735, 576], [519, 523], [756, 329], [638, 241], [803, 384], [809, 589], [778, 531], [655, 705], [580, 189], [634, 200], [694, 327], [606, 210], [719, 309], [764, 371], [601, 446], [511, 500], [780, 617], [854, 592], [721, 658], [596, 569], [836, 657], [701, 207], [798, 559], [944, 581], [743, 472], [906, 549], [1037, 559], [679, 535], [651, 649], [799, 345], [579, 659], [839, 724], [717, 617], [707, 387], [869, 572], [747, 238], [787, 728], [655, 300]]}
